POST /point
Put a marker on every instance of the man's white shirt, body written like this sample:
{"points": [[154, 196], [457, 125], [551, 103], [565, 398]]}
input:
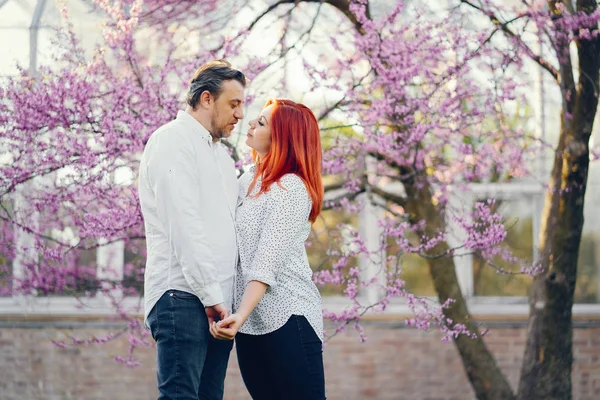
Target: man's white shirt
{"points": [[188, 191]]}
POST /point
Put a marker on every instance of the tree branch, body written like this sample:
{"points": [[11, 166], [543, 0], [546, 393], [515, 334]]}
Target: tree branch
{"points": [[334, 186], [401, 201], [406, 172], [344, 7], [336, 202], [504, 27], [328, 110]]}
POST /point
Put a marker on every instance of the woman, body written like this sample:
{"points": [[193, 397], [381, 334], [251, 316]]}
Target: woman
{"points": [[277, 306]]}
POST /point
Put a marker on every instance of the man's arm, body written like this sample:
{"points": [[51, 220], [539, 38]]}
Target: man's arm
{"points": [[174, 177]]}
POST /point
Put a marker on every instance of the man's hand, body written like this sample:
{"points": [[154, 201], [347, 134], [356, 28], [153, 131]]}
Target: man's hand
{"points": [[215, 313], [227, 328]]}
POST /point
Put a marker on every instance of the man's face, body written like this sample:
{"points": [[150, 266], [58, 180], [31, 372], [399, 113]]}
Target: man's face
{"points": [[227, 109]]}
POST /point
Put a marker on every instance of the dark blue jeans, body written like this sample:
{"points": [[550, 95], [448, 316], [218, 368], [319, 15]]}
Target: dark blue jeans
{"points": [[286, 364], [191, 364]]}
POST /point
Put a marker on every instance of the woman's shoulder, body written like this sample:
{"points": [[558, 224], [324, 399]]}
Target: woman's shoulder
{"points": [[247, 175], [292, 180], [290, 185]]}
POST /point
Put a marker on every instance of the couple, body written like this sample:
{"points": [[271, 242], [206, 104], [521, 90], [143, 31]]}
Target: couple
{"points": [[199, 217]]}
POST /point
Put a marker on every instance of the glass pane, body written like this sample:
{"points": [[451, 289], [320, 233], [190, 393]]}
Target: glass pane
{"points": [[324, 238], [518, 222], [17, 13], [6, 258], [77, 279], [415, 271], [15, 50], [587, 289], [7, 252], [133, 268]]}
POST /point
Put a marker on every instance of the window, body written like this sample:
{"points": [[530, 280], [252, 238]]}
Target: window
{"points": [[520, 204], [486, 290]]}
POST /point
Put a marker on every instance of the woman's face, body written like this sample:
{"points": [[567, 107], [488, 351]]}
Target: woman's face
{"points": [[259, 134]]}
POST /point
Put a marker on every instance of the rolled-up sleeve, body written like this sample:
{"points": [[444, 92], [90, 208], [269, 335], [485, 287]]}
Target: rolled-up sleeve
{"points": [[174, 179], [288, 208]]}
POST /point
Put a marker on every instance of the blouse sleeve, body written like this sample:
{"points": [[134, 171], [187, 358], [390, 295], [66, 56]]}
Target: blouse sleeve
{"points": [[288, 208]]}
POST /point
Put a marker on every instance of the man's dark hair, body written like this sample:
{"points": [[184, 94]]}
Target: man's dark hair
{"points": [[210, 77]]}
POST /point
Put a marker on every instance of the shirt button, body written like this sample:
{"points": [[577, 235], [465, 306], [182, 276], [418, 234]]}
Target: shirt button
{"points": [[171, 294]]}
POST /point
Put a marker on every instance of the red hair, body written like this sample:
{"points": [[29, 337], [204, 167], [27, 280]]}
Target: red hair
{"points": [[295, 149]]}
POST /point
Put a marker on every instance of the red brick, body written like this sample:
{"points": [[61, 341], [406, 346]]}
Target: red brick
{"points": [[393, 364]]}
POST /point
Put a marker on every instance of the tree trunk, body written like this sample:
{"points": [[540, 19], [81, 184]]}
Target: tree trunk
{"points": [[546, 370], [486, 378]]}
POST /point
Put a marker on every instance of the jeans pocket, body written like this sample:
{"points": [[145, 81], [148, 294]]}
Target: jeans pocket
{"points": [[306, 331], [179, 294], [312, 351], [298, 319]]}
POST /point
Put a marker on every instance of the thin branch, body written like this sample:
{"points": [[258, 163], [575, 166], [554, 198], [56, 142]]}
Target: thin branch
{"points": [[406, 173], [401, 201], [504, 27], [319, 267], [356, 320], [266, 12], [336, 202], [78, 246], [29, 230], [404, 217], [498, 269], [10, 189], [439, 255], [327, 111], [341, 101], [306, 34], [329, 128], [335, 186]]}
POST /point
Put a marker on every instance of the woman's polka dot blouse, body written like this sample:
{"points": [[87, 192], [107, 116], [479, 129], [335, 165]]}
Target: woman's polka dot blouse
{"points": [[271, 231]]}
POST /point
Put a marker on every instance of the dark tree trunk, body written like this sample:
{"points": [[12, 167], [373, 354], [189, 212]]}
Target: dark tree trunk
{"points": [[546, 370]]}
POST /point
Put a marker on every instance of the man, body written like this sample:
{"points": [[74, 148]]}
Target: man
{"points": [[188, 193]]}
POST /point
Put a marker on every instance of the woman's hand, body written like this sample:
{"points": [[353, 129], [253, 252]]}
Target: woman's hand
{"points": [[227, 328]]}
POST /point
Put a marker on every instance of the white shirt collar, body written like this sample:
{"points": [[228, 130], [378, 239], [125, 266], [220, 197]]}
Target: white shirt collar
{"points": [[196, 127]]}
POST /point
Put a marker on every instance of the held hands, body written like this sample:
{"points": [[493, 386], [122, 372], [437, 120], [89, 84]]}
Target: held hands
{"points": [[218, 312], [227, 328]]}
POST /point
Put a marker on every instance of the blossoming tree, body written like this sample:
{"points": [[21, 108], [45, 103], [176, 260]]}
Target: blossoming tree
{"points": [[425, 97]]}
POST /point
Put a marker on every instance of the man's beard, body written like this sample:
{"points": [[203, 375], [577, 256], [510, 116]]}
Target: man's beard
{"points": [[218, 132]]}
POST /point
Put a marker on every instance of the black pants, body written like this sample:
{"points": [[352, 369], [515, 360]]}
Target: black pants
{"points": [[286, 364]]}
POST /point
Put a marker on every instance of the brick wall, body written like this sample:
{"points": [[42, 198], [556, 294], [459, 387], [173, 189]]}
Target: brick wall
{"points": [[395, 363]]}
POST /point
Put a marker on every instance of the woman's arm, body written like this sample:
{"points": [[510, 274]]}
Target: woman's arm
{"points": [[227, 328], [288, 211]]}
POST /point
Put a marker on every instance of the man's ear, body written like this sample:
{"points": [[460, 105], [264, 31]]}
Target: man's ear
{"points": [[206, 99]]}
